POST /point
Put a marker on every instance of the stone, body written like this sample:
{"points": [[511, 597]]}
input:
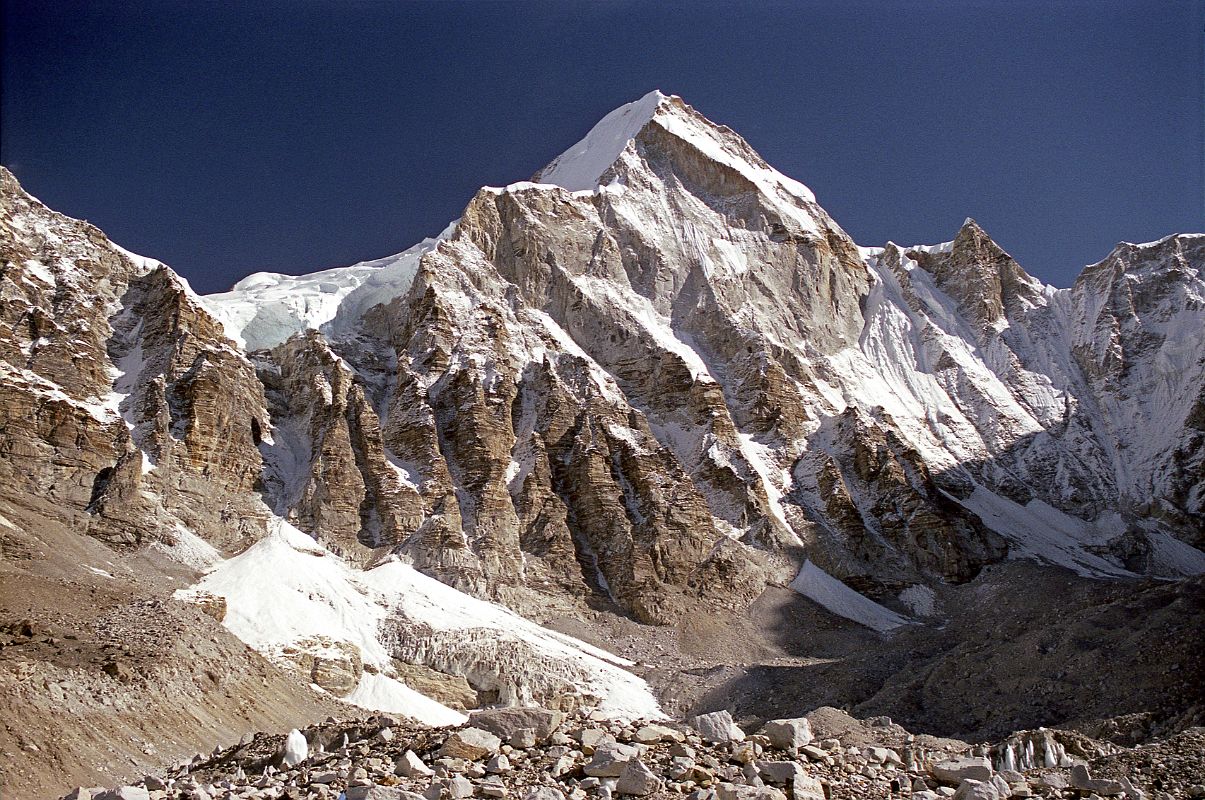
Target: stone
{"points": [[807, 787], [296, 749], [79, 793], [652, 733], [779, 772], [681, 750], [377, 792], [971, 789], [610, 759], [591, 738], [735, 791], [498, 764], [1081, 778], [126, 793], [814, 753], [459, 787], [506, 722], [955, 770], [1132, 791], [883, 755], [524, 738], [788, 734], [717, 727], [471, 744], [411, 766], [562, 765], [637, 780], [543, 793]]}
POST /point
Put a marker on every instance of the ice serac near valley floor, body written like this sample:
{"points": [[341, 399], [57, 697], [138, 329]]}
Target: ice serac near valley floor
{"points": [[647, 434]]}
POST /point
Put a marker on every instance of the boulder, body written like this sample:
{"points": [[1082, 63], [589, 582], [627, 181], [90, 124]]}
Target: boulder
{"points": [[409, 765], [788, 734], [637, 780], [717, 727], [1082, 779], [955, 770], [506, 722], [971, 789], [379, 793], [652, 733], [126, 793], [543, 793], [471, 744], [805, 787], [610, 759], [778, 772], [736, 791]]}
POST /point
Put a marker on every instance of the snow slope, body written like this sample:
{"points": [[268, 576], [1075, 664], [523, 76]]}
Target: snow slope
{"points": [[286, 587]]}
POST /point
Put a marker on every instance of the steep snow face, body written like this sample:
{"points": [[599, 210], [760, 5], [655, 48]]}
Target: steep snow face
{"points": [[581, 167], [266, 308], [287, 587]]}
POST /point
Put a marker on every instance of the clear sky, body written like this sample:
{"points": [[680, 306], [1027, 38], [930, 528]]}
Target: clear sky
{"points": [[230, 137]]}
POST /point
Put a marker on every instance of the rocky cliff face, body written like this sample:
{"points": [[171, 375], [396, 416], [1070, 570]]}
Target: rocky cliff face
{"points": [[121, 394], [658, 376]]}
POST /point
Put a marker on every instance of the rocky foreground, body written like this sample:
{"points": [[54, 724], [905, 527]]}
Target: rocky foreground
{"points": [[538, 754]]}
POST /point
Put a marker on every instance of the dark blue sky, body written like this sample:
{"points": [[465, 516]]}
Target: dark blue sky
{"points": [[230, 137]]}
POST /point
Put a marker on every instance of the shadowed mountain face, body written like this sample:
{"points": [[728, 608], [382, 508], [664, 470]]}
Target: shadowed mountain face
{"points": [[658, 375]]}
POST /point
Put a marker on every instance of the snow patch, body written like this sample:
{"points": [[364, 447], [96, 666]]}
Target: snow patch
{"points": [[1043, 533], [383, 693], [817, 585]]}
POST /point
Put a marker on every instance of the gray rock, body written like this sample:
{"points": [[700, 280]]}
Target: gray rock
{"points": [[806, 787], [592, 738], [506, 722], [543, 793], [126, 793], [380, 793], [471, 744], [524, 738], [411, 766], [788, 734], [651, 734], [814, 753], [1082, 779], [498, 764], [1132, 791], [610, 759], [779, 772], [637, 780], [717, 727], [955, 770], [459, 787], [977, 790], [735, 791]]}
